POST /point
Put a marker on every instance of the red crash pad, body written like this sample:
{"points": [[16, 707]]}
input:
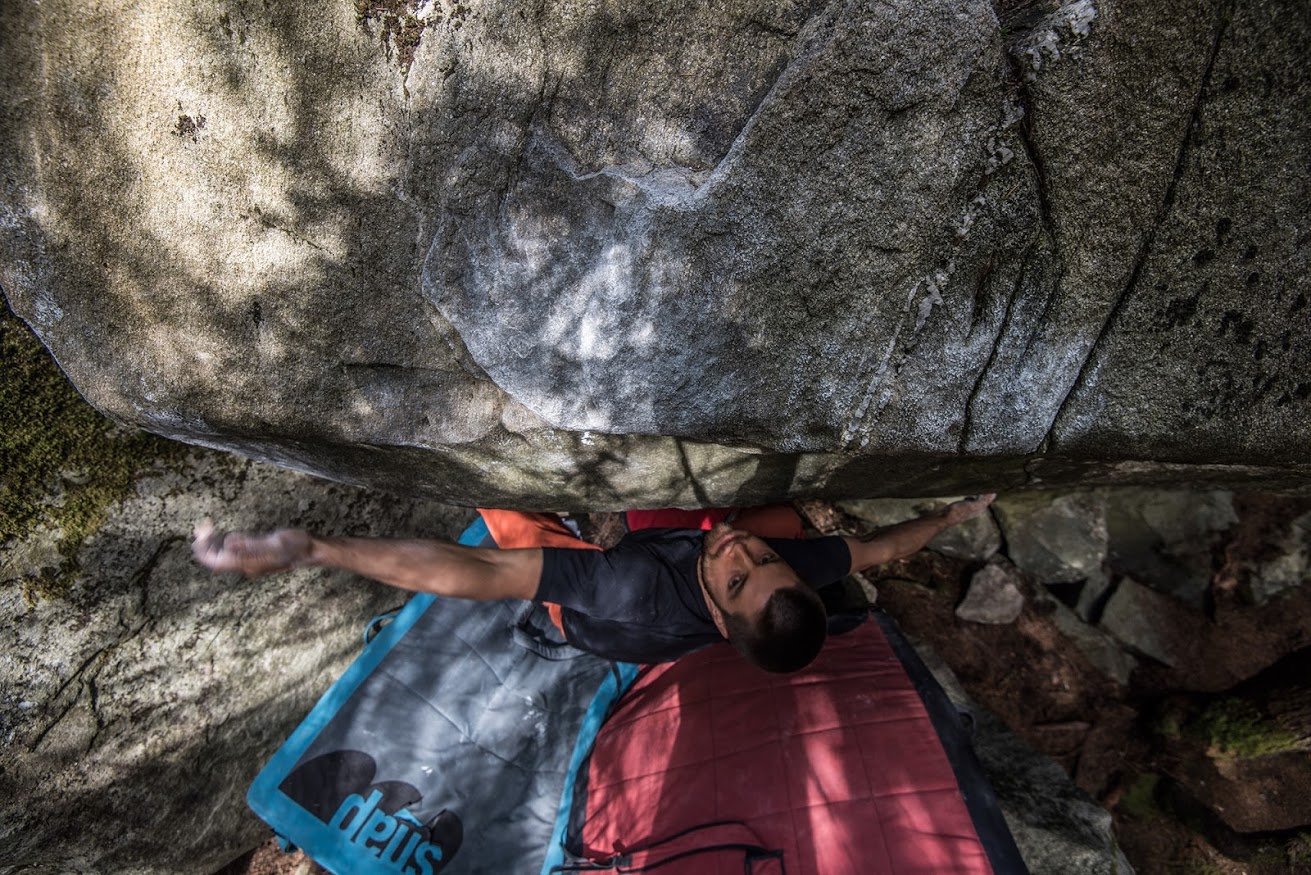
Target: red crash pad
{"points": [[838, 767]]}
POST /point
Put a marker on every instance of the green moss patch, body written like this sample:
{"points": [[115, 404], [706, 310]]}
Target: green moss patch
{"points": [[63, 462], [1299, 851], [1139, 800], [1168, 725], [1235, 728]]}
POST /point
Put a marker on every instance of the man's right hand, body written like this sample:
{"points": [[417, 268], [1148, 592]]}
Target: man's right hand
{"points": [[252, 555]]}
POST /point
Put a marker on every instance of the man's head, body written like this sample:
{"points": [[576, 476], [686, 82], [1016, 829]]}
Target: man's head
{"points": [[758, 602]]}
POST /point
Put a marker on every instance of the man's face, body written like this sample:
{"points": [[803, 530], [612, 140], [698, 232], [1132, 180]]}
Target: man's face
{"points": [[740, 571]]}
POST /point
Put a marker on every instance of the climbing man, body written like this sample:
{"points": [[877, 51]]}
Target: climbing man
{"points": [[658, 594]]}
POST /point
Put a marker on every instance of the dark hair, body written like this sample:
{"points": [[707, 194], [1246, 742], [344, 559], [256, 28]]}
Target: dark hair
{"points": [[786, 636]]}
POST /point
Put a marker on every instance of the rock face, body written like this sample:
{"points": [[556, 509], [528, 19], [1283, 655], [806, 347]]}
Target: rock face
{"points": [[675, 253], [137, 707]]}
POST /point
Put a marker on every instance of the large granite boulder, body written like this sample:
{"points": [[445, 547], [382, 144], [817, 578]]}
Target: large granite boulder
{"points": [[671, 253]]}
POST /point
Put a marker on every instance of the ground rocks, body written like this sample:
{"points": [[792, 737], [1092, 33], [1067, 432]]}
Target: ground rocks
{"points": [[1148, 622], [1081, 542], [1258, 794], [556, 257], [1061, 540], [1289, 564], [994, 596], [138, 704], [1100, 648], [1168, 538], [1243, 755], [1132, 573], [1057, 828]]}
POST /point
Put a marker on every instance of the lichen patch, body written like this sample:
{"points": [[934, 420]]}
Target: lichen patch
{"points": [[400, 24], [188, 127]]}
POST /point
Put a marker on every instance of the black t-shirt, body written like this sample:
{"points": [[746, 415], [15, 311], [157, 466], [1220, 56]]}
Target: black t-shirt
{"points": [[640, 601]]}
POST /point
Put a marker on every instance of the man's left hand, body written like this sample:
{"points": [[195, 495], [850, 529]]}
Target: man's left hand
{"points": [[959, 511]]}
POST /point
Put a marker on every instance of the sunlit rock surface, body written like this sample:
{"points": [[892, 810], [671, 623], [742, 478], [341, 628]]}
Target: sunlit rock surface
{"points": [[647, 254]]}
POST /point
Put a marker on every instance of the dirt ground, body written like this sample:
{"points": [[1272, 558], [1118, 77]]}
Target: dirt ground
{"points": [[269, 859]]}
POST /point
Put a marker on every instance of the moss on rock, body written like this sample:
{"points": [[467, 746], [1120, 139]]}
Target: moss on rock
{"points": [[1139, 800], [1235, 728], [64, 464]]}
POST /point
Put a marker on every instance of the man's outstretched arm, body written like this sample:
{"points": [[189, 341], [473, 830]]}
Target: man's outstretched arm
{"points": [[904, 539], [418, 565]]}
